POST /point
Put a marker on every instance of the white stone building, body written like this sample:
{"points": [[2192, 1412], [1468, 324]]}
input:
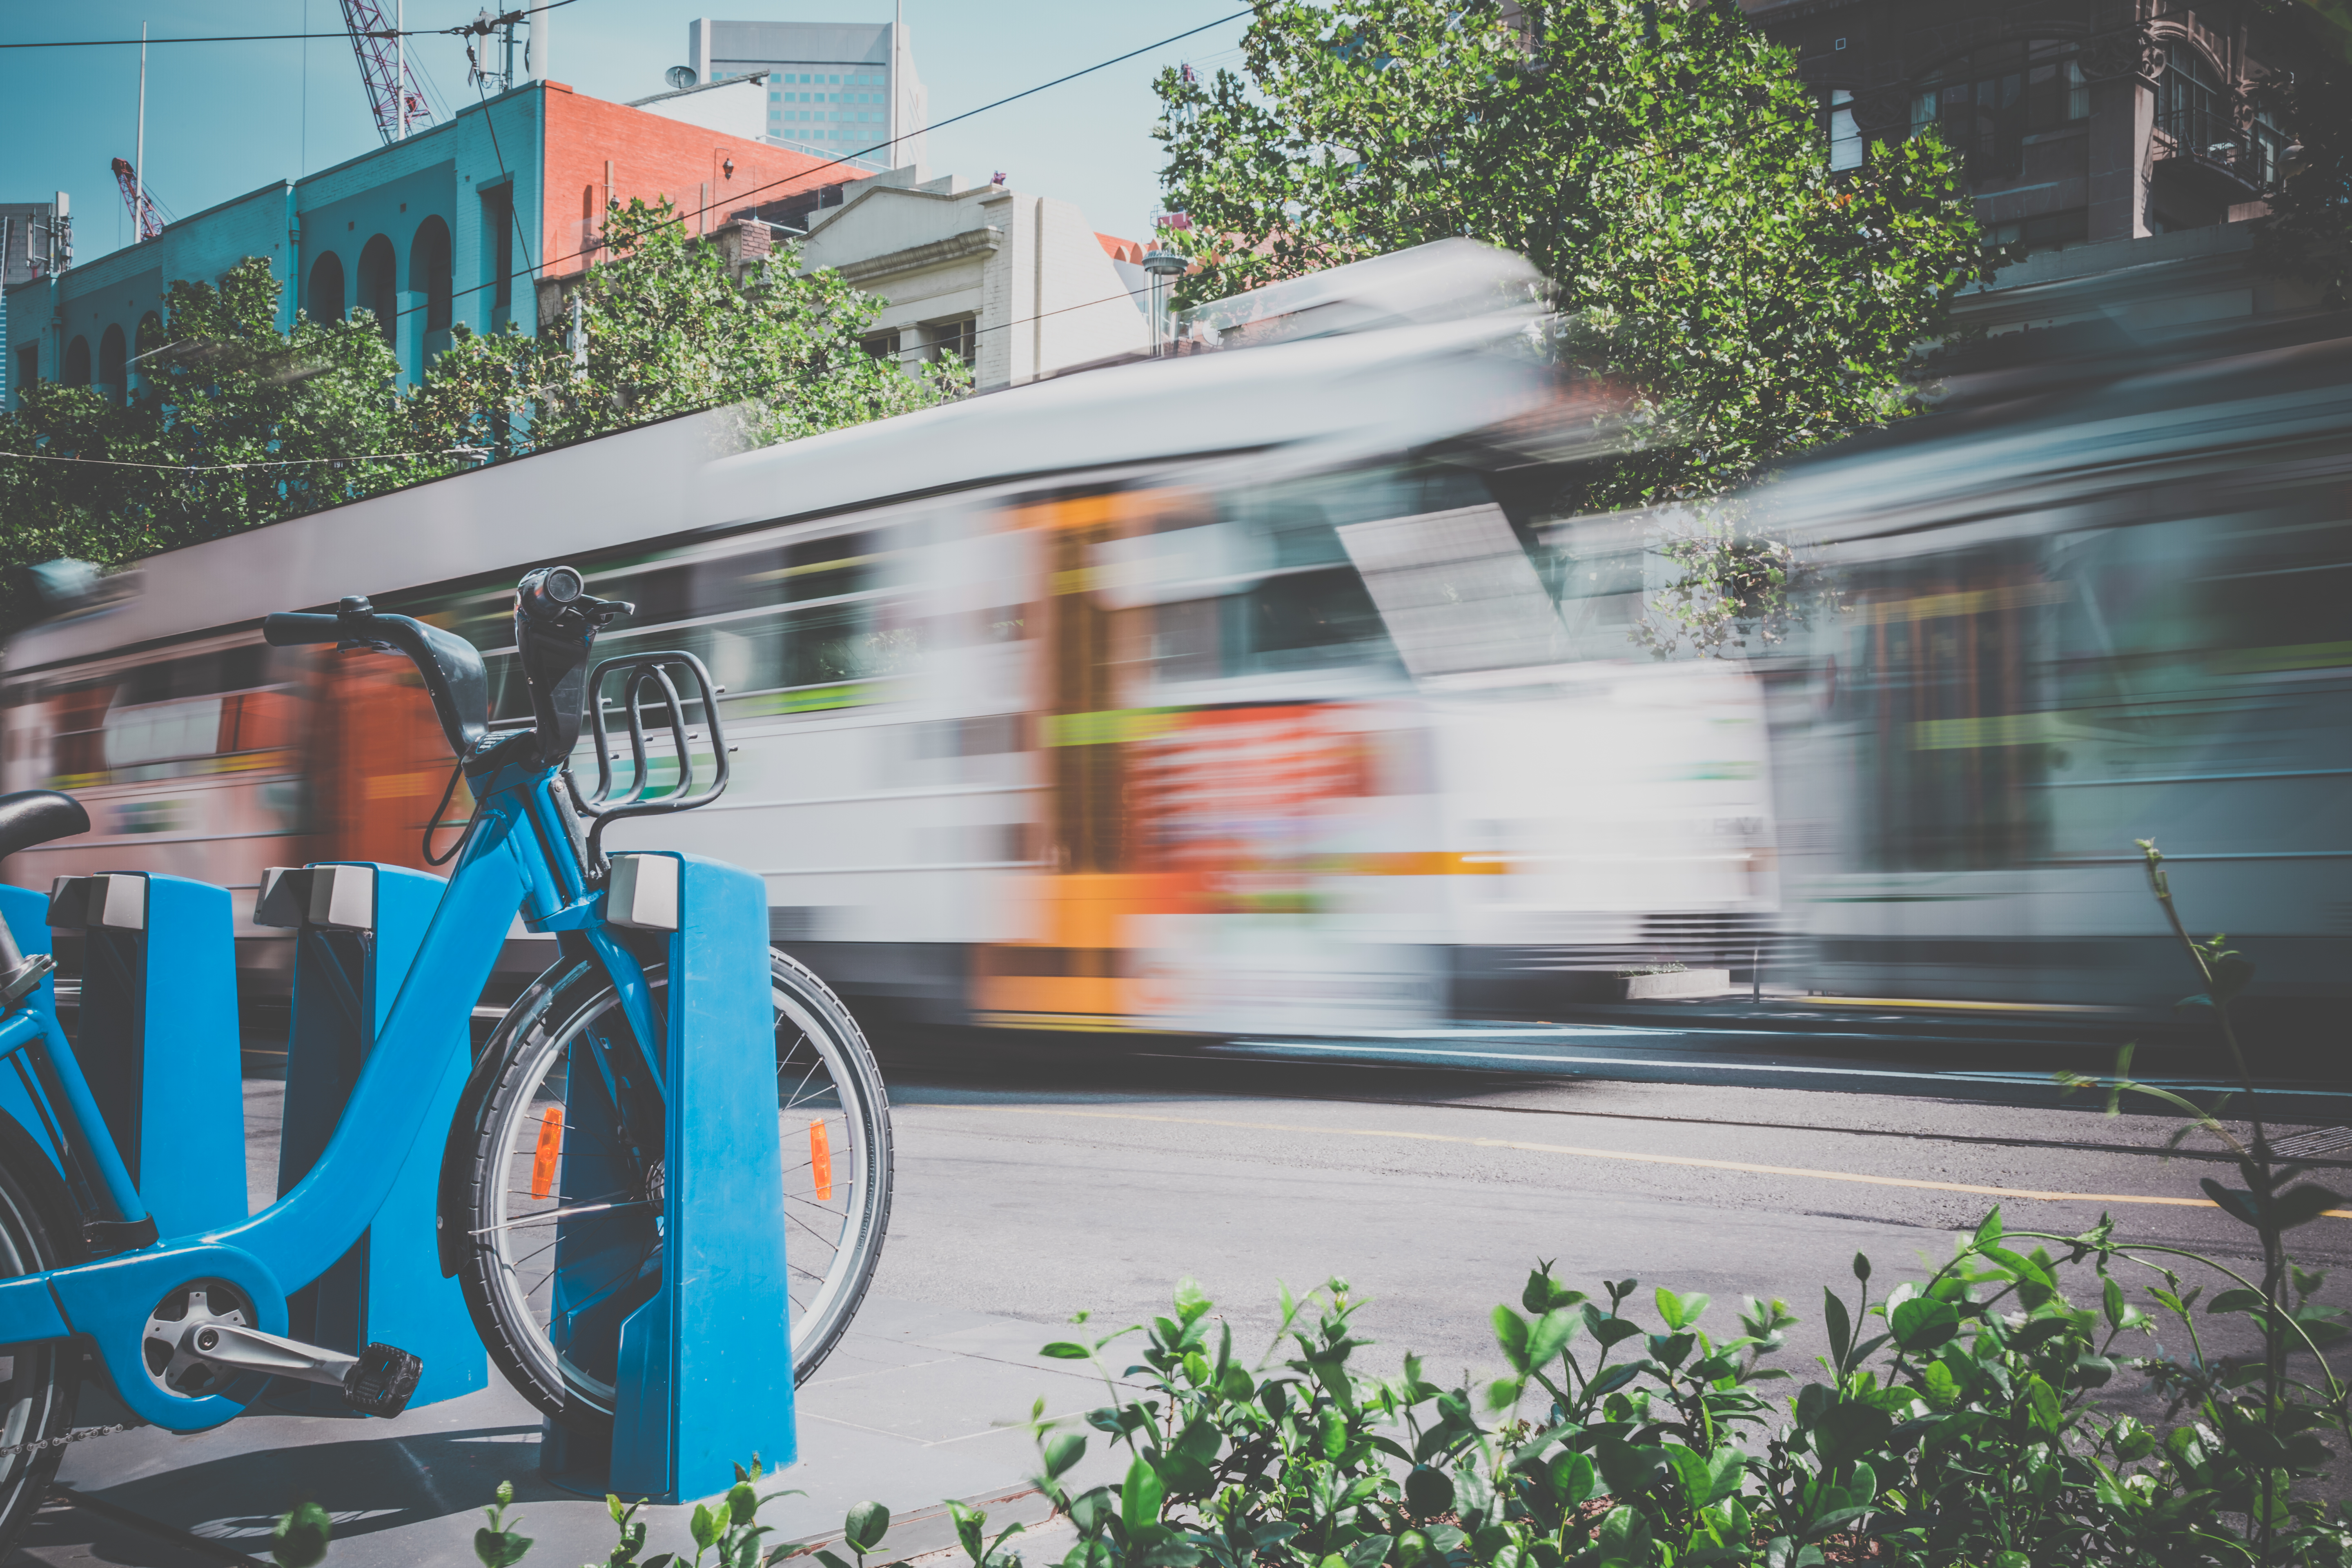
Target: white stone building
{"points": [[1016, 285]]}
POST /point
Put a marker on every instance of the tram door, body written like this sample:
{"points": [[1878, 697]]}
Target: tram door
{"points": [[378, 761]]}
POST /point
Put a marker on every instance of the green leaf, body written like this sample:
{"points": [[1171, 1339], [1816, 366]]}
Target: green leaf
{"points": [[2235, 1202], [1511, 1334], [1989, 1232], [1192, 1301], [1839, 1326], [1428, 1492], [2238, 1300], [865, 1525], [1848, 1429], [1139, 1495], [1063, 1450], [1551, 1336], [300, 1538], [1063, 1349], [2301, 1205], [1922, 1324]]}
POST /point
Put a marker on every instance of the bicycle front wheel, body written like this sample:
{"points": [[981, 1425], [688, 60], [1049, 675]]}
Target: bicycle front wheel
{"points": [[39, 1230], [563, 1219]]}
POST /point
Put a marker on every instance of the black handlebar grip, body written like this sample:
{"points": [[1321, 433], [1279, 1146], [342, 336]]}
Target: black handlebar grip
{"points": [[292, 630], [543, 594]]}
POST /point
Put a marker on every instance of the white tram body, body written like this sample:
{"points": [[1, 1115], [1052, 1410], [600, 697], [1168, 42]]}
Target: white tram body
{"points": [[1215, 694]]}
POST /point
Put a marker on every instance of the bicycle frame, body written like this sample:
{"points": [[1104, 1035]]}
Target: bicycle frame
{"points": [[519, 852]]}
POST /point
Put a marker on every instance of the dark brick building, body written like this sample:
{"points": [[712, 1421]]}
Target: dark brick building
{"points": [[2113, 142]]}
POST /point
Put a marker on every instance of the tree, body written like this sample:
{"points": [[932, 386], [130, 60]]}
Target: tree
{"points": [[2307, 234], [1658, 162], [669, 329], [234, 423], [238, 423]]}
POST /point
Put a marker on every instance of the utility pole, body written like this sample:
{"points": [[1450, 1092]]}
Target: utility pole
{"points": [[897, 83], [139, 158]]}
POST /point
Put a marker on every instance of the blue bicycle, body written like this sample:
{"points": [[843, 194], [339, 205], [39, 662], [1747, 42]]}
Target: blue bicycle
{"points": [[552, 1180]]}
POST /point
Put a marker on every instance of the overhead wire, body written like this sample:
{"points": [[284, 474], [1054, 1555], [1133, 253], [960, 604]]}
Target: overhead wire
{"points": [[800, 179], [286, 37]]}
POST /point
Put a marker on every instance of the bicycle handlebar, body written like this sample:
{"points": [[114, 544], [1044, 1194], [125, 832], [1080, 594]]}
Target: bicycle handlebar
{"points": [[451, 668]]}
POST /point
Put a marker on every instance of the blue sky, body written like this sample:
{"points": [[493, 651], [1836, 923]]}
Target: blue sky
{"points": [[223, 119]]}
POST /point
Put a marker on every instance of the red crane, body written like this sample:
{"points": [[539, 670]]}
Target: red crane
{"points": [[390, 82], [139, 200]]}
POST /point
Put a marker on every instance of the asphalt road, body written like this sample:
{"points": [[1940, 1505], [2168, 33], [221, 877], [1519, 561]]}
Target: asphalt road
{"points": [[1431, 1175]]}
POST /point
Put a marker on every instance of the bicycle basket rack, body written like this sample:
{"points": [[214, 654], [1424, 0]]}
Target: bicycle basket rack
{"points": [[671, 684]]}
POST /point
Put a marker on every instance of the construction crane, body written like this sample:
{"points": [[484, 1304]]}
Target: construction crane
{"points": [[139, 199], [399, 108]]}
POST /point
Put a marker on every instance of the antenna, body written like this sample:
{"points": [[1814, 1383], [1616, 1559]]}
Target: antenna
{"points": [[680, 77]]}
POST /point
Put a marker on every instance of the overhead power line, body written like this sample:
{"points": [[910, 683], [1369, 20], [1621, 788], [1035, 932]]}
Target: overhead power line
{"points": [[805, 175], [277, 37]]}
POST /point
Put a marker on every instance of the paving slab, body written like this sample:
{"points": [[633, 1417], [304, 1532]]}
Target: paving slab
{"points": [[918, 1405]]}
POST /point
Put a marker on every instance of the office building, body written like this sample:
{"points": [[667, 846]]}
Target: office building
{"points": [[836, 90]]}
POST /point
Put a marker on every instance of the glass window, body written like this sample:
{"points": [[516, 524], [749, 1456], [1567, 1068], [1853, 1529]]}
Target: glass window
{"points": [[2191, 106], [1986, 102], [1838, 127]]}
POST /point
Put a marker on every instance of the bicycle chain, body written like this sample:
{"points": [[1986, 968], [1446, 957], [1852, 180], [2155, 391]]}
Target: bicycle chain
{"points": [[13, 1450]]}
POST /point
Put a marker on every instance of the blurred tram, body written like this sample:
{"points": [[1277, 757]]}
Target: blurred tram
{"points": [[1225, 693], [2098, 599]]}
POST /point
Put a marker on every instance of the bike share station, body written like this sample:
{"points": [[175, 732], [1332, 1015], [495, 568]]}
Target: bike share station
{"points": [[339, 1297]]}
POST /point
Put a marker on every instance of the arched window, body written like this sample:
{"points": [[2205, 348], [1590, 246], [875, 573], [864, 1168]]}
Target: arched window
{"points": [[378, 285], [114, 365], [77, 362], [327, 296], [2191, 106], [428, 271]]}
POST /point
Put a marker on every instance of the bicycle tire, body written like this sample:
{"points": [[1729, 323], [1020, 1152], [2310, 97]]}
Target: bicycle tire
{"points": [[39, 1229], [514, 1311]]}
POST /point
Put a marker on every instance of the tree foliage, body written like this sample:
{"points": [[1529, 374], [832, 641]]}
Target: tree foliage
{"points": [[1659, 162], [664, 328], [2307, 234], [225, 431], [238, 423]]}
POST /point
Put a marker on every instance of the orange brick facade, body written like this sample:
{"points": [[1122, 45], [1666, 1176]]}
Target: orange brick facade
{"points": [[598, 152]]}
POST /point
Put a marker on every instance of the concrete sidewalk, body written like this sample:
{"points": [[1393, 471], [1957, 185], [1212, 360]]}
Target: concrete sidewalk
{"points": [[916, 1404], [913, 1407]]}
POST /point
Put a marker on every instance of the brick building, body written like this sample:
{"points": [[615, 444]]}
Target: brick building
{"points": [[2114, 142], [454, 224]]}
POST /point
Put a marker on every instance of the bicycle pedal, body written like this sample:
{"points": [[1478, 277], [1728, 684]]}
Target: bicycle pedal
{"points": [[19, 983], [381, 1382]]}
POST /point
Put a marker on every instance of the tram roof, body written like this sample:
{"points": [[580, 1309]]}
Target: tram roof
{"points": [[1377, 391]]}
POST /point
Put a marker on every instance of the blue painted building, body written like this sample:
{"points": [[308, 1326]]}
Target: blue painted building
{"points": [[424, 232]]}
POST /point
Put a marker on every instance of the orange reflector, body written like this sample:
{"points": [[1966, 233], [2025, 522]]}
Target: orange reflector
{"points": [[549, 1150], [821, 1160]]}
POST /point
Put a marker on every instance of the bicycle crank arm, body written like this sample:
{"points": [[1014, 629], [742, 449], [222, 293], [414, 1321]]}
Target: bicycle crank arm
{"points": [[376, 1382]]}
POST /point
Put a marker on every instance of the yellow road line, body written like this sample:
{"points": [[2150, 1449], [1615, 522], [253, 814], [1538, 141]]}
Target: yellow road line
{"points": [[1684, 1160]]}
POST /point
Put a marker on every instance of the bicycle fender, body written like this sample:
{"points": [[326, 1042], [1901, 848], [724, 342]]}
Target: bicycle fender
{"points": [[111, 1301]]}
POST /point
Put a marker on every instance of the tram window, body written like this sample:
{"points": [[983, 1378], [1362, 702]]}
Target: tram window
{"points": [[1313, 618]]}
